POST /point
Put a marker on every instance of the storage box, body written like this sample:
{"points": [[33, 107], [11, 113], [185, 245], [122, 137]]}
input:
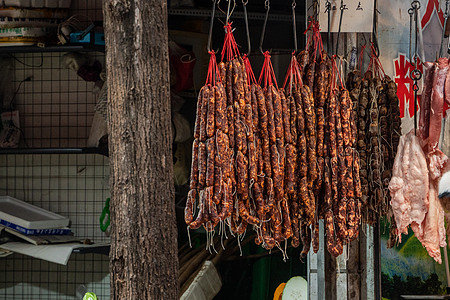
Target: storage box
{"points": [[29, 216], [99, 38]]}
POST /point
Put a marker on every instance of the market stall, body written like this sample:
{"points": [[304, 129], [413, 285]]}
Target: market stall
{"points": [[323, 161]]}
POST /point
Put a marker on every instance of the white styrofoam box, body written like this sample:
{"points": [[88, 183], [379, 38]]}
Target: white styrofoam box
{"points": [[29, 216], [19, 3], [205, 285], [51, 3]]}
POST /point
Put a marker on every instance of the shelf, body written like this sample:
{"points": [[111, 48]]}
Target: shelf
{"points": [[191, 12], [100, 249], [54, 151], [62, 48]]}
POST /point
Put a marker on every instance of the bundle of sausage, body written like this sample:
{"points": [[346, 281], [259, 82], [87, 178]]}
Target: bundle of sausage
{"points": [[266, 156], [211, 156], [376, 103], [303, 131], [341, 172]]}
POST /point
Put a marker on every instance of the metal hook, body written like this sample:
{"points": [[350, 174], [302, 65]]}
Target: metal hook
{"points": [[441, 53], [365, 40], [267, 6], [249, 44], [228, 10], [340, 24], [328, 10], [411, 17], [208, 46], [374, 30], [294, 25]]}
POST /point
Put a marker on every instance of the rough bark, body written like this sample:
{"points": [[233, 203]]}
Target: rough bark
{"points": [[143, 257]]}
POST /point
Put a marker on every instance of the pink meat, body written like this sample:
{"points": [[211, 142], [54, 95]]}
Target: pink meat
{"points": [[433, 237], [437, 104], [409, 186], [424, 113], [400, 205], [447, 89], [417, 178], [437, 161]]}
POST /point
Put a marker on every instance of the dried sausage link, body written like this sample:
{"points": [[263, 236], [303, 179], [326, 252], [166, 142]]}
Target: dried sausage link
{"points": [[315, 235], [328, 205], [188, 210], [309, 75], [291, 166], [351, 219], [194, 166], [210, 122], [211, 154], [263, 130], [285, 104], [203, 118], [203, 215], [299, 111], [341, 219], [212, 209], [203, 96], [302, 156], [308, 109], [292, 118], [221, 108], [287, 225], [226, 199], [269, 242], [305, 234], [303, 59], [229, 84], [254, 101], [244, 213], [202, 160], [356, 177], [259, 200], [240, 136], [295, 242], [230, 117], [320, 130], [334, 244], [277, 114], [270, 115], [222, 71], [252, 162], [345, 112], [242, 173], [238, 89], [349, 173]]}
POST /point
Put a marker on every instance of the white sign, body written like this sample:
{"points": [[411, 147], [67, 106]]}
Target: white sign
{"points": [[357, 16]]}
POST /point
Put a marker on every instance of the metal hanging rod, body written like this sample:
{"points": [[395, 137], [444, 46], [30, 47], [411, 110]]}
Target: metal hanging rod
{"points": [[236, 15]]}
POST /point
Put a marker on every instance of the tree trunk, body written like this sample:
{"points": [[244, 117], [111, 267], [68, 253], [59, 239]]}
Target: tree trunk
{"points": [[143, 257]]}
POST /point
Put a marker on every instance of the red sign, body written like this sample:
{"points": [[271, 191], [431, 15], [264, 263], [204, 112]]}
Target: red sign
{"points": [[432, 6], [405, 92]]}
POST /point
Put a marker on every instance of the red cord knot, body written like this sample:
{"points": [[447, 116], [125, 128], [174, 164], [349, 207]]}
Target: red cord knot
{"points": [[228, 28]]}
